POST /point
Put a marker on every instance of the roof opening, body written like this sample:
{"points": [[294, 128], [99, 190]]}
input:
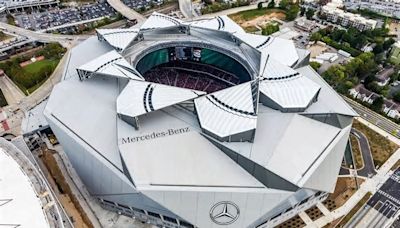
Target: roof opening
{"points": [[193, 68]]}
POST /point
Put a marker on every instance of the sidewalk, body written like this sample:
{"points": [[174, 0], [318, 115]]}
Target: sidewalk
{"points": [[370, 185]]}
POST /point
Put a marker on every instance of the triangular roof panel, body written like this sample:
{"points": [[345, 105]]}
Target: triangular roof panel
{"points": [[111, 63], [141, 97], [230, 111], [118, 38], [157, 20], [221, 23], [280, 49]]}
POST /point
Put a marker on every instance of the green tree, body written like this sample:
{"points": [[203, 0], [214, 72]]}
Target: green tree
{"points": [[316, 36], [310, 14], [377, 104], [283, 4], [259, 5], [315, 65], [302, 11], [270, 28], [378, 49], [271, 4], [396, 96], [292, 12]]}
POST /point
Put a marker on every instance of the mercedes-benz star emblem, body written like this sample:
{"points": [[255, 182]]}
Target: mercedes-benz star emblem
{"points": [[224, 213]]}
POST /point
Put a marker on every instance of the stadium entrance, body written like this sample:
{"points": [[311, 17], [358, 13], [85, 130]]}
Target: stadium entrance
{"points": [[193, 68]]}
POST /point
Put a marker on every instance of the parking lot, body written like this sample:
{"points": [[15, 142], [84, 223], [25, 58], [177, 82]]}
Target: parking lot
{"points": [[382, 206], [56, 16], [142, 4]]}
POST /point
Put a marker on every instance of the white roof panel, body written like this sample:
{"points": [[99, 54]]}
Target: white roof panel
{"points": [[111, 63], [157, 20], [280, 49], [328, 100], [229, 111], [118, 38], [310, 138], [273, 69], [294, 92], [168, 161], [222, 23], [19, 204], [140, 97]]}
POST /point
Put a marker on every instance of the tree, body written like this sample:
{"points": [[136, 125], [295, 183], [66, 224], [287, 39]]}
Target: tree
{"points": [[283, 4], [377, 104], [270, 28], [316, 36], [315, 65], [396, 96], [310, 14], [271, 4], [388, 43], [378, 49], [302, 11], [292, 12], [259, 5]]}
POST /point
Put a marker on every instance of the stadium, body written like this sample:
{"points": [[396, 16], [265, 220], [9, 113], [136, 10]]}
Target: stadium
{"points": [[199, 124]]}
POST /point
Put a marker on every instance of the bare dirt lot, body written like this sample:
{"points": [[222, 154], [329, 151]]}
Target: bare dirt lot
{"points": [[345, 188], [257, 18]]}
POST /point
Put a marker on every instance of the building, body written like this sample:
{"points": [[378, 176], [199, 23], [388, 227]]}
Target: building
{"points": [[391, 109], [346, 19], [304, 24], [22, 5], [389, 8], [361, 93], [394, 55], [383, 76], [199, 124]]}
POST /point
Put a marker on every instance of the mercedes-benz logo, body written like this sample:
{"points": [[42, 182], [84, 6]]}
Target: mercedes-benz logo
{"points": [[224, 213]]}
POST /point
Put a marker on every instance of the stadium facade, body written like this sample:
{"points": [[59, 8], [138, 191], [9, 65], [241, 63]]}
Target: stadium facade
{"points": [[199, 124]]}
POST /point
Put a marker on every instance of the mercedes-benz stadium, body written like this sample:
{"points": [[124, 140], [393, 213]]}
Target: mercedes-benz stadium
{"points": [[199, 124]]}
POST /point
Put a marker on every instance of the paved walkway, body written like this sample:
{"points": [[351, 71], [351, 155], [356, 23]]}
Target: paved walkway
{"points": [[370, 185], [11, 92]]}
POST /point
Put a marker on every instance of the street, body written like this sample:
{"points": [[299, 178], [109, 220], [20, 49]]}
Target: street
{"points": [[374, 118]]}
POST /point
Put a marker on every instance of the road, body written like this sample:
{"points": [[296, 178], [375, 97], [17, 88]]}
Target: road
{"points": [[127, 12], [45, 37], [368, 169], [374, 118]]}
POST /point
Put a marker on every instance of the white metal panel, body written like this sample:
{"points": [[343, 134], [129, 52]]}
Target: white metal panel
{"points": [[328, 100], [323, 175], [195, 204], [118, 38], [302, 143], [158, 20], [113, 64], [294, 92], [140, 97], [227, 112], [222, 23]]}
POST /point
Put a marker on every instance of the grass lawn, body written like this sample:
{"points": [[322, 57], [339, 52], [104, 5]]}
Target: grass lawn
{"points": [[35, 67], [356, 152], [251, 14], [347, 218], [3, 101], [381, 147]]}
